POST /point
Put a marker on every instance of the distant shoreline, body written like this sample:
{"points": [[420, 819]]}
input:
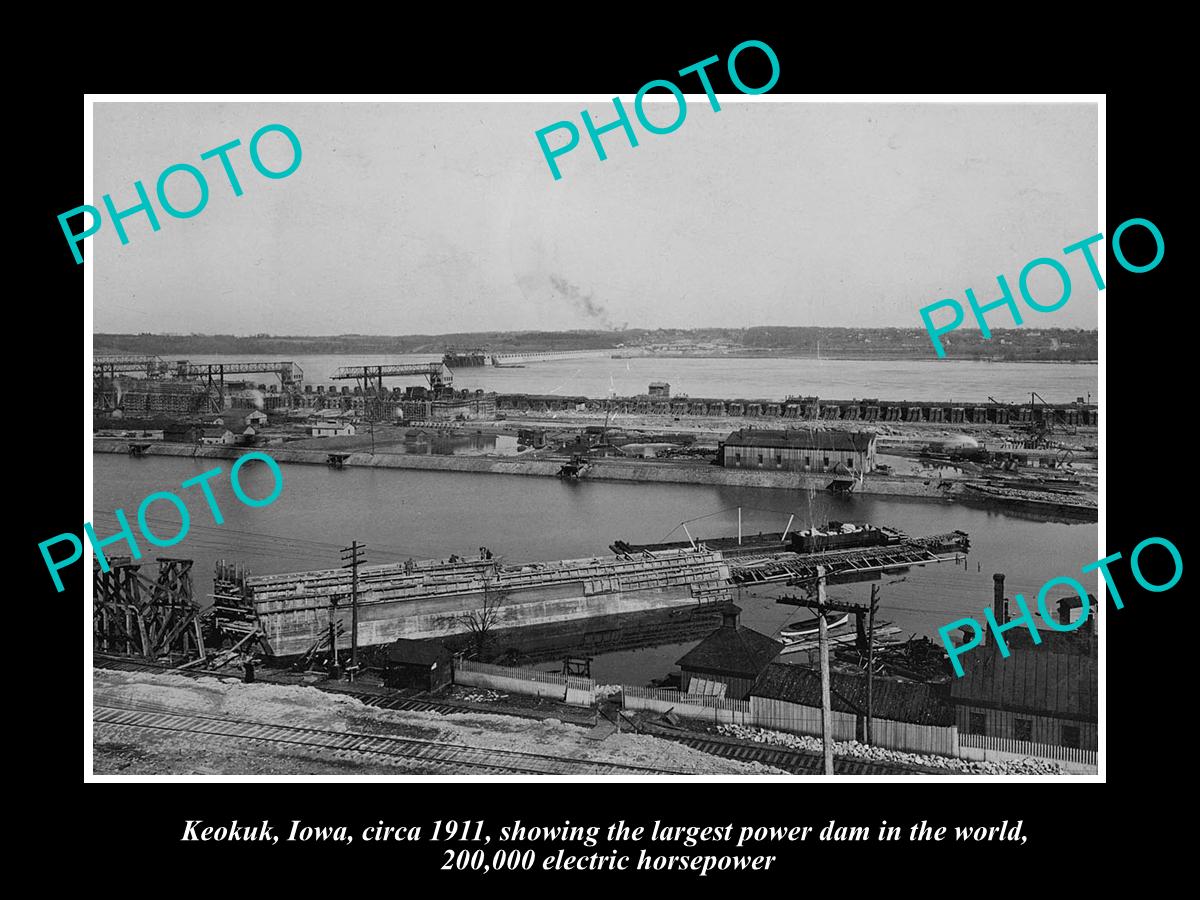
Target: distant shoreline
{"points": [[753, 342], [843, 357], [617, 354]]}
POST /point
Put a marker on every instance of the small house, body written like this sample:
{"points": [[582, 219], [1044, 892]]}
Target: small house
{"points": [[256, 418], [423, 665], [216, 434], [728, 661], [331, 429]]}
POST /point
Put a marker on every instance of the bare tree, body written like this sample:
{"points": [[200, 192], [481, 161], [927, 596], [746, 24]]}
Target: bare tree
{"points": [[479, 623]]}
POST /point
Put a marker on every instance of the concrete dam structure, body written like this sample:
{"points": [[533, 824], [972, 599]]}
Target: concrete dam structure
{"points": [[437, 599], [816, 409]]}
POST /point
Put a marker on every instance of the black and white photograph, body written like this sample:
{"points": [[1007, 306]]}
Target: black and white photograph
{"points": [[516, 437]]}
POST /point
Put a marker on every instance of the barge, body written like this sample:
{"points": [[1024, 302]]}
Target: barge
{"points": [[833, 536]]}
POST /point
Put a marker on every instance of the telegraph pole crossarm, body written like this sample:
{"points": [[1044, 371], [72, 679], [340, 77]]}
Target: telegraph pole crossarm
{"points": [[871, 659], [352, 558]]}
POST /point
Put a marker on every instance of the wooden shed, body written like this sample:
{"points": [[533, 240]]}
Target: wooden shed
{"points": [[423, 665], [728, 661], [1037, 695]]}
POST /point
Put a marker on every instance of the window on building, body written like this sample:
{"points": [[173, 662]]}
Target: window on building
{"points": [[827, 462], [807, 461], [760, 456], [1070, 736], [779, 459], [976, 723], [1023, 729], [737, 457]]}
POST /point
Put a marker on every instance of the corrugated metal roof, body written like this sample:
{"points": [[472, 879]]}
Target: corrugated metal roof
{"points": [[1031, 679], [807, 439], [897, 701]]}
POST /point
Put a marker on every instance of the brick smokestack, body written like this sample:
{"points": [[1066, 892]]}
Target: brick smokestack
{"points": [[999, 604]]}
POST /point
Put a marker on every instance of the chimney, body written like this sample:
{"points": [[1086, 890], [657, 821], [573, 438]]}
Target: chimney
{"points": [[1068, 604], [999, 604], [730, 616]]}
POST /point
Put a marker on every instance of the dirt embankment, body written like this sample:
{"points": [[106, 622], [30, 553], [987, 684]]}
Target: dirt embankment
{"points": [[134, 751]]}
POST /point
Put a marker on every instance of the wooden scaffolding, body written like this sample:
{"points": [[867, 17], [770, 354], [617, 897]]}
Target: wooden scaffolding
{"points": [[133, 615]]}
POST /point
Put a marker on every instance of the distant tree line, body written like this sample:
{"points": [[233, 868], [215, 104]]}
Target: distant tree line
{"points": [[1053, 344]]}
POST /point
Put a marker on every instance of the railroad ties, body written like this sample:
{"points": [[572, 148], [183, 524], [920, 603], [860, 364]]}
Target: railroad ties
{"points": [[384, 747], [796, 762]]}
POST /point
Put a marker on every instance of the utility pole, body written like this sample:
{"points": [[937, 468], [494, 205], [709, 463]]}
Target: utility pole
{"points": [[826, 713], [823, 607], [333, 623], [871, 657], [351, 562]]}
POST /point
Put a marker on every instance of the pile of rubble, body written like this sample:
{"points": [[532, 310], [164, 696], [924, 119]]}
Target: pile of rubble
{"points": [[1027, 766], [481, 696]]}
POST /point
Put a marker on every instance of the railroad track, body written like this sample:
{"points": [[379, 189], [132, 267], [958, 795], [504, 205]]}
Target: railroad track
{"points": [[797, 762], [440, 754]]}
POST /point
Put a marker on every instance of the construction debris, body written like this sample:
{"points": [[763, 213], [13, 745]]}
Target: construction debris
{"points": [[1027, 766]]}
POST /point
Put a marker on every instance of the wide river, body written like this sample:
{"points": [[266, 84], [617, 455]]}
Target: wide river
{"points": [[776, 378], [410, 513]]}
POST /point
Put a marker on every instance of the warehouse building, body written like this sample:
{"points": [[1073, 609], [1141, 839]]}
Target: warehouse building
{"points": [[799, 450]]}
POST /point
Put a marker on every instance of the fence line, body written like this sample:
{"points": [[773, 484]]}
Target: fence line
{"points": [[1028, 748], [667, 696], [692, 706], [762, 712]]}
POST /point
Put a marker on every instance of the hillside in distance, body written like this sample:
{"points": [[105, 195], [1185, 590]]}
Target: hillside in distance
{"points": [[1006, 345]]}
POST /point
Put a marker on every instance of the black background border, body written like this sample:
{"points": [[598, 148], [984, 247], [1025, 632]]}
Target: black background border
{"points": [[1143, 350]]}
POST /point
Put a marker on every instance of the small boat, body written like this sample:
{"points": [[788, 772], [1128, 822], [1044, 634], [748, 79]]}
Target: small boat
{"points": [[811, 626]]}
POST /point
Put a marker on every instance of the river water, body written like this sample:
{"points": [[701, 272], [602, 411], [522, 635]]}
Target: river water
{"points": [[776, 378], [402, 513]]}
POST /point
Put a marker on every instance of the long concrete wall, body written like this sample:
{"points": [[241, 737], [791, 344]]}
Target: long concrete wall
{"points": [[293, 632], [600, 470]]}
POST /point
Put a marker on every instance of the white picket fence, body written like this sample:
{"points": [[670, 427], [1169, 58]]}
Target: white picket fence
{"points": [[692, 706], [986, 742]]}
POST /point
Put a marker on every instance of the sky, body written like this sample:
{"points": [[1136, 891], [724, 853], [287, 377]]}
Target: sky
{"points": [[409, 218]]}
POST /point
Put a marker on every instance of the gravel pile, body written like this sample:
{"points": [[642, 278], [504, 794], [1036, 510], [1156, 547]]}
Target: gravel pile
{"points": [[484, 696], [1026, 766]]}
